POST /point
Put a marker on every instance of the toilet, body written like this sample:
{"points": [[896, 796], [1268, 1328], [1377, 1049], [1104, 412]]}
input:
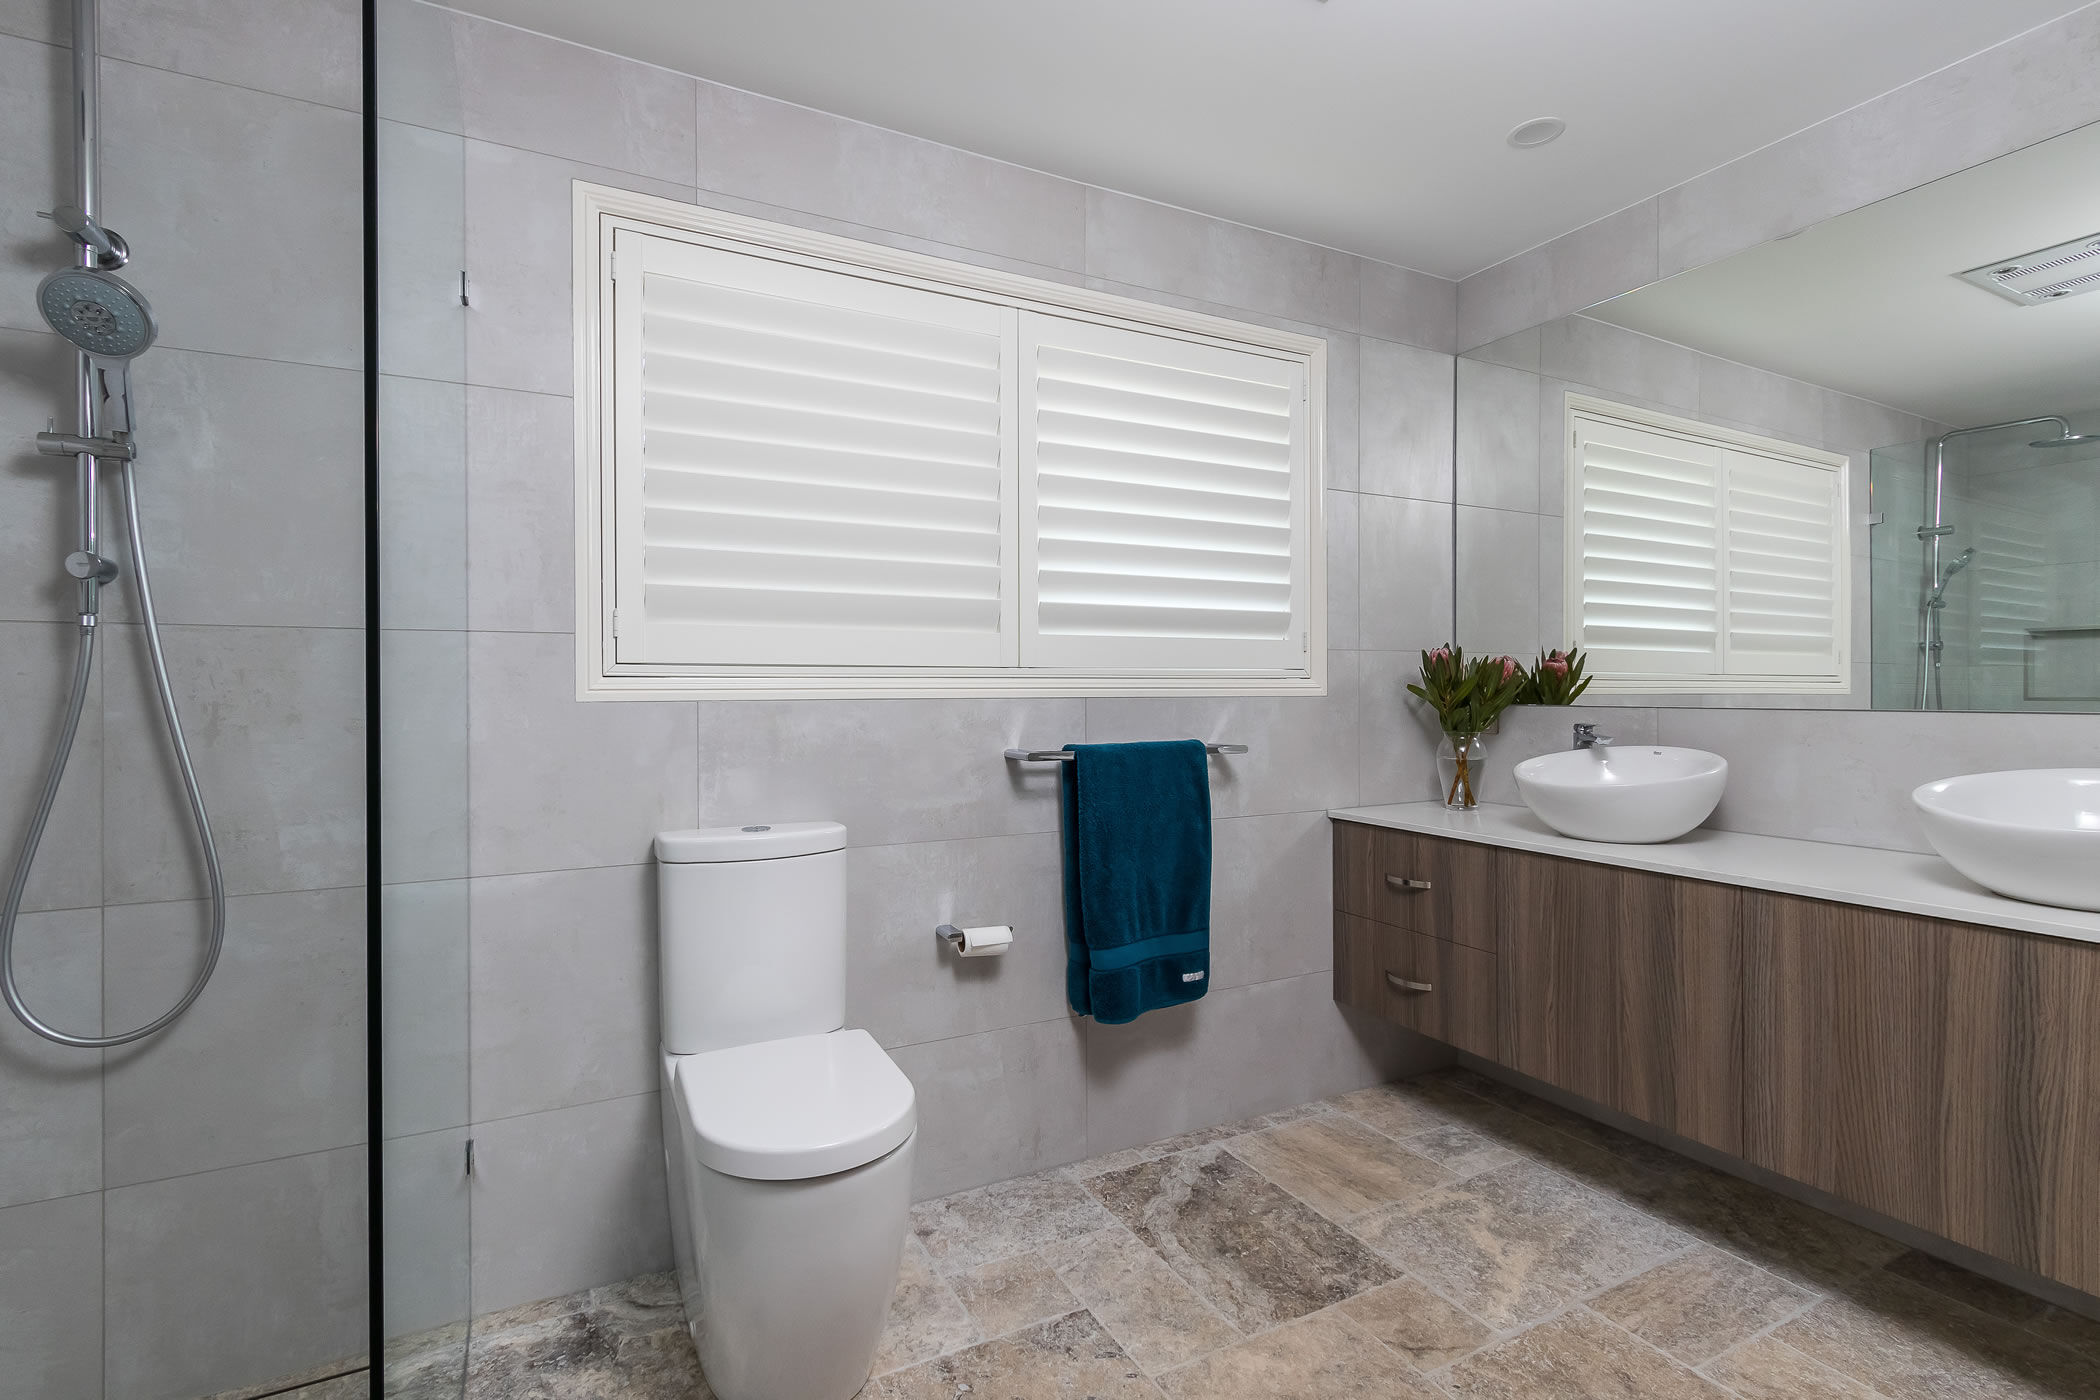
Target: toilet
{"points": [[787, 1140]]}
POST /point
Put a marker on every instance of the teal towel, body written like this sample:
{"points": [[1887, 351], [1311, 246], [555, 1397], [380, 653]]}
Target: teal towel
{"points": [[1137, 877]]}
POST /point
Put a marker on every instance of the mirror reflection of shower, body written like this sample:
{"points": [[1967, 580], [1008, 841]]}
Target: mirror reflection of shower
{"points": [[2024, 555]]}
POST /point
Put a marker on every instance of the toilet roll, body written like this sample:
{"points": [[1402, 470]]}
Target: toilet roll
{"points": [[987, 942]]}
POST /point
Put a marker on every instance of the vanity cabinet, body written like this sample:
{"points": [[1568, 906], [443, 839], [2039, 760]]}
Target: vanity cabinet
{"points": [[1943, 1074]]}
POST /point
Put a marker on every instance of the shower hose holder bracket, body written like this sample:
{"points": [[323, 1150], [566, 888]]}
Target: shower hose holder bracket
{"points": [[72, 445]]}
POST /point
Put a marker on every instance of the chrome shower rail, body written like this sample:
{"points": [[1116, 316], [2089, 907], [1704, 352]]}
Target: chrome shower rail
{"points": [[1065, 755]]}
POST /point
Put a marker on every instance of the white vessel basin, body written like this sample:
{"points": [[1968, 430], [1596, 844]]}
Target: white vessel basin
{"points": [[1634, 794], [2033, 833]]}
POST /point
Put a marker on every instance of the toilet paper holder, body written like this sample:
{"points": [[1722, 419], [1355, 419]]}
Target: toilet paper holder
{"points": [[966, 946]]}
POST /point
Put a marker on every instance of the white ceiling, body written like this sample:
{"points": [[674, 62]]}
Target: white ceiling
{"points": [[1870, 303], [1374, 126]]}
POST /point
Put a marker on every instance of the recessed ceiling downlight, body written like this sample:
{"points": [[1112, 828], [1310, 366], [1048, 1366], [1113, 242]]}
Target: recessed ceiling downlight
{"points": [[1536, 132]]}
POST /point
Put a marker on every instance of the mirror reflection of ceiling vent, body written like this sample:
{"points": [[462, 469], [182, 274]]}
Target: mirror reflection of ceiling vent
{"points": [[2047, 274]]}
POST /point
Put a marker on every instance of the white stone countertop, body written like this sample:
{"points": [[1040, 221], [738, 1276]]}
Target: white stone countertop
{"points": [[1906, 881]]}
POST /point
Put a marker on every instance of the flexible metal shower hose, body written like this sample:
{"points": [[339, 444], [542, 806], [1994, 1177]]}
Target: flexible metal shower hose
{"points": [[82, 669]]}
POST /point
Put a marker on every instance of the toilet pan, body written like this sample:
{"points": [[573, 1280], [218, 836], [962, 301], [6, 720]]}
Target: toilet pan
{"points": [[790, 1166]]}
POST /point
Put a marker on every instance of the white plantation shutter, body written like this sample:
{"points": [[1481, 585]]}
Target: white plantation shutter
{"points": [[811, 468], [1163, 502], [1694, 563], [1648, 529]]}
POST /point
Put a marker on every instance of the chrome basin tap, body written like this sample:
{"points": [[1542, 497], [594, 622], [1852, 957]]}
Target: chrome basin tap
{"points": [[1587, 737]]}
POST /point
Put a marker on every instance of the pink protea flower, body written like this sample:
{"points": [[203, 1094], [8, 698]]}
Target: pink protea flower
{"points": [[1557, 664], [1440, 654], [1509, 669]]}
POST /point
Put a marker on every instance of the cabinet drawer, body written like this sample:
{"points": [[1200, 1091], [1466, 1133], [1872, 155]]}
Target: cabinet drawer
{"points": [[1432, 886], [1442, 989]]}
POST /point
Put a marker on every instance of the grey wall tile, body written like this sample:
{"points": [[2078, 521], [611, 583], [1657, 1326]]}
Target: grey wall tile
{"points": [[418, 64], [1399, 739], [1597, 352], [310, 49], [1344, 409], [1271, 898], [1238, 1052], [1588, 265], [423, 817], [1302, 753], [521, 511], [422, 503], [1519, 350], [1407, 421], [557, 783], [997, 1105], [921, 770], [905, 986], [268, 1063], [428, 1259], [1343, 514], [1412, 307], [36, 492], [1405, 569], [36, 167], [1498, 581], [1860, 425], [227, 1278], [51, 1276], [240, 526], [1497, 456], [539, 94], [276, 277], [1554, 632], [275, 720], [422, 247], [519, 261], [47, 21], [51, 1095], [36, 680], [423, 1007], [1761, 401], [779, 153], [568, 1200], [564, 1002], [1155, 245]]}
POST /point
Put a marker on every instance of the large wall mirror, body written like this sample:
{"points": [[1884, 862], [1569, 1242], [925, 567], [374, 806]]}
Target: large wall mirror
{"points": [[1857, 466]]}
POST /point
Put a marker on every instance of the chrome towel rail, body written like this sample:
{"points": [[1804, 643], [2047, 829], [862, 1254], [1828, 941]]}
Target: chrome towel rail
{"points": [[1061, 756]]}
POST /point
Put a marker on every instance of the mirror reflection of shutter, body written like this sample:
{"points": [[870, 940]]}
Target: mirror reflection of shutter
{"points": [[814, 465], [1785, 570], [1646, 580], [1163, 512]]}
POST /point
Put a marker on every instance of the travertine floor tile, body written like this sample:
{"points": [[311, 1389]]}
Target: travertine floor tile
{"points": [[1336, 1165], [627, 1341], [1064, 1359], [1913, 1344], [1460, 1150], [1515, 1244], [1402, 1108], [1417, 1324], [962, 1231], [926, 1318], [1577, 1356], [1145, 1305], [1009, 1294], [1698, 1305], [1315, 1358], [1165, 1147], [1769, 1369], [1776, 1232], [1980, 1293], [1256, 1254]]}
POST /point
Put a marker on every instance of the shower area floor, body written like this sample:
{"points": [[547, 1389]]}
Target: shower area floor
{"points": [[1442, 1236]]}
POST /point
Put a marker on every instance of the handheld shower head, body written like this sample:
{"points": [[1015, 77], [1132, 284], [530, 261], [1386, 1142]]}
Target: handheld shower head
{"points": [[111, 322], [1961, 561]]}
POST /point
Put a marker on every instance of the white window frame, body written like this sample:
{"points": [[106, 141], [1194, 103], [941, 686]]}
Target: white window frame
{"points": [[601, 211], [1605, 682]]}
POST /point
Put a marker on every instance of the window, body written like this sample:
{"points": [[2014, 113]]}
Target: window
{"points": [[1700, 559], [809, 467]]}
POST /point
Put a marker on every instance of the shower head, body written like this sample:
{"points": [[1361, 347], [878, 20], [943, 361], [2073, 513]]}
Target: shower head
{"points": [[98, 311], [1961, 561], [2067, 440]]}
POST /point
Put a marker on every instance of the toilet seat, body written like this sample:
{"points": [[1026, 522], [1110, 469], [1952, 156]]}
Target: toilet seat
{"points": [[788, 1110]]}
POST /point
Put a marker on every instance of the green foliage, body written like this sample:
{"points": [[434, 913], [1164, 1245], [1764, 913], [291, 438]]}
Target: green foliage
{"points": [[1468, 695], [1556, 679]]}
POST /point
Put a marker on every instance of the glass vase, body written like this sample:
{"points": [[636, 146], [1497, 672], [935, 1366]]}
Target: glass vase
{"points": [[1461, 766]]}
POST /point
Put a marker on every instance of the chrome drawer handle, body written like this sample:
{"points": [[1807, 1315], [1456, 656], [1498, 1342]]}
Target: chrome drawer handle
{"points": [[1405, 883], [1406, 986]]}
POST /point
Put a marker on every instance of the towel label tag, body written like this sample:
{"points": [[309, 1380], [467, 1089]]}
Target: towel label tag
{"points": [[1192, 977]]}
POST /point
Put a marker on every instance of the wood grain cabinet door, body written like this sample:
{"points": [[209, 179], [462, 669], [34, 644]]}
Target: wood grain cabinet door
{"points": [[1442, 989], [1624, 987], [1944, 1074], [1425, 883]]}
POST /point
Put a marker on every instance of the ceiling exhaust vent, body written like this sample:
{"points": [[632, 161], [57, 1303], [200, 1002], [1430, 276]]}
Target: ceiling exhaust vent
{"points": [[2047, 274]]}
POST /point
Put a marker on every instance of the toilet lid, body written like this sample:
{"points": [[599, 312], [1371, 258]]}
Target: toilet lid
{"points": [[786, 1110]]}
